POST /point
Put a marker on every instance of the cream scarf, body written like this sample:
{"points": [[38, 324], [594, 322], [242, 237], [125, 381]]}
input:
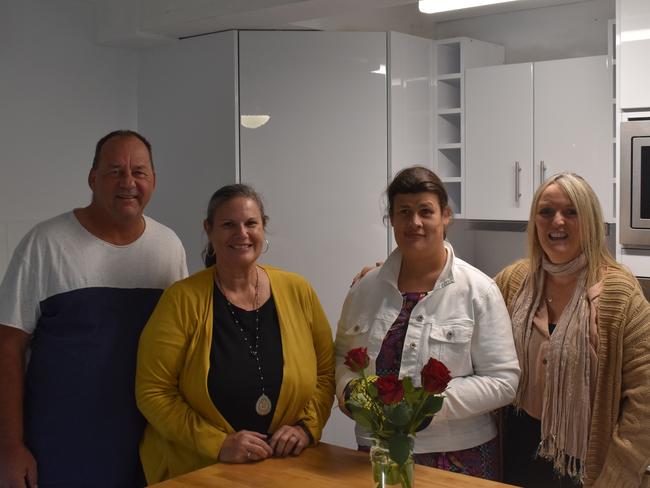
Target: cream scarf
{"points": [[566, 407]]}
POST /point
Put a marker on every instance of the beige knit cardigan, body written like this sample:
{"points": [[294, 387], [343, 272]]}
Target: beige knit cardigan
{"points": [[618, 451]]}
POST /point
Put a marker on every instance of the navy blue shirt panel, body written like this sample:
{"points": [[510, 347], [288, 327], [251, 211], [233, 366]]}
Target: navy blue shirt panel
{"points": [[80, 388]]}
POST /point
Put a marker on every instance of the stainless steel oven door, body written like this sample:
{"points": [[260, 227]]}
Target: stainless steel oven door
{"points": [[634, 207], [641, 183]]}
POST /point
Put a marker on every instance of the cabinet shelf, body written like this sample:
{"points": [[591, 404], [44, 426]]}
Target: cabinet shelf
{"points": [[450, 76], [454, 192], [454, 145], [449, 162], [448, 58], [448, 111], [449, 93], [449, 128]]}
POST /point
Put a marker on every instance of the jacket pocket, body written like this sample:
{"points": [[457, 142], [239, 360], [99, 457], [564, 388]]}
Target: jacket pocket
{"points": [[359, 326], [450, 342]]}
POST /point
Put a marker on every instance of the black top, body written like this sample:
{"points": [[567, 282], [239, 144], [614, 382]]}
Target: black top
{"points": [[233, 379]]}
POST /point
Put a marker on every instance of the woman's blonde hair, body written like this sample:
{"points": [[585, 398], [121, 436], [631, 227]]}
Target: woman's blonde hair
{"points": [[590, 221]]}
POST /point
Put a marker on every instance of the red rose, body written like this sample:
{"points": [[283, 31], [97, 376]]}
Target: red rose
{"points": [[357, 359], [435, 376], [390, 389]]}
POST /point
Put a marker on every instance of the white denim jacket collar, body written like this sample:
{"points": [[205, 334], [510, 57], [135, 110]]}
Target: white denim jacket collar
{"points": [[389, 272]]}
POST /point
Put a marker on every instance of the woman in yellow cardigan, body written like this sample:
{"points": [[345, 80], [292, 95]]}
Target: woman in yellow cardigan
{"points": [[236, 363]]}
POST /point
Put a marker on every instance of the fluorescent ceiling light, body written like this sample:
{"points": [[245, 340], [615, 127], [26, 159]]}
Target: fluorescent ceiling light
{"points": [[254, 121], [436, 6]]}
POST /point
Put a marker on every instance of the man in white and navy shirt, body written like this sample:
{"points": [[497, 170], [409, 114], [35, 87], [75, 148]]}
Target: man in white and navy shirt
{"points": [[76, 295]]}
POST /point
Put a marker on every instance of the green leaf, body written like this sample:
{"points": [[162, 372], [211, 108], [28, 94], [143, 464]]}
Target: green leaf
{"points": [[372, 390], [432, 404], [363, 417], [411, 397], [400, 414], [352, 402], [407, 384], [399, 448]]}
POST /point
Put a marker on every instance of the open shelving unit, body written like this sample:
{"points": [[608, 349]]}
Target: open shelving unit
{"points": [[452, 57]]}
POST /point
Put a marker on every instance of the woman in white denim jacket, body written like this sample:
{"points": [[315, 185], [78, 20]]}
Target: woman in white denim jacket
{"points": [[425, 302]]}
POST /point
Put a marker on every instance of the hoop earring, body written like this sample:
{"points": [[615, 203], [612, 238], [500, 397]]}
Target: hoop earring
{"points": [[207, 252], [268, 245]]}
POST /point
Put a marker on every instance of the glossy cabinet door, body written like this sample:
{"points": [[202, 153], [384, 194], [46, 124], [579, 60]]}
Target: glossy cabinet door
{"points": [[499, 141], [634, 55], [187, 109], [320, 161], [410, 101], [573, 123]]}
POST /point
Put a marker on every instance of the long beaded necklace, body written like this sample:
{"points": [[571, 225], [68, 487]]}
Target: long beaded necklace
{"points": [[263, 404]]}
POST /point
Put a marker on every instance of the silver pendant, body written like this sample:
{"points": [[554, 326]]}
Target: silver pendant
{"points": [[263, 405]]}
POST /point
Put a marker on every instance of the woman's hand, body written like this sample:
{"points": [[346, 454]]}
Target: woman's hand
{"points": [[244, 446], [364, 272], [289, 439], [346, 396]]}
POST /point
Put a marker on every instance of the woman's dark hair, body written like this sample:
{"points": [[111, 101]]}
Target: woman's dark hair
{"points": [[416, 179], [221, 196]]}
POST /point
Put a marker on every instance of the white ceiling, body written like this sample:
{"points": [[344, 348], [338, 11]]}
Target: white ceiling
{"points": [[146, 22]]}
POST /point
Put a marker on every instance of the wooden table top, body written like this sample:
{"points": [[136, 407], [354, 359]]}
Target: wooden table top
{"points": [[324, 466]]}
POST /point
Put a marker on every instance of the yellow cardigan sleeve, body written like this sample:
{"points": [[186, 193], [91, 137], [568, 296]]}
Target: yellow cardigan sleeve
{"points": [[318, 409], [162, 355]]}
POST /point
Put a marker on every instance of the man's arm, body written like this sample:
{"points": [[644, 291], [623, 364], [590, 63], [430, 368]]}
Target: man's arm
{"points": [[17, 465]]}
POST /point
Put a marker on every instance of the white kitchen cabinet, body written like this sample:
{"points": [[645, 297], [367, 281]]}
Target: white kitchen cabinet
{"points": [[573, 123], [187, 108], [634, 55], [528, 121], [499, 142], [411, 101]]}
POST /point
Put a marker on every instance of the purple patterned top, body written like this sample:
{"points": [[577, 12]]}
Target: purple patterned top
{"points": [[389, 359]]}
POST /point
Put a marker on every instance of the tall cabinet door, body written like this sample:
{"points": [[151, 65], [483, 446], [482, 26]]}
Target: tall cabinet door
{"points": [[573, 117], [320, 161], [499, 141], [187, 109], [633, 62]]}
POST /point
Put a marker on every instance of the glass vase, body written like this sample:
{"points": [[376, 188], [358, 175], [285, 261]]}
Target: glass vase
{"points": [[386, 472]]}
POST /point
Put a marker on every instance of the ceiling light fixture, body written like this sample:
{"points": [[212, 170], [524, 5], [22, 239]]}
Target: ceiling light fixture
{"points": [[436, 6]]}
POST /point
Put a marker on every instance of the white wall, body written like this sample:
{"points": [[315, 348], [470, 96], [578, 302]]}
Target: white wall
{"points": [[561, 31], [59, 93]]}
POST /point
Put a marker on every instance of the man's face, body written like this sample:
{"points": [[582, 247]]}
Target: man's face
{"points": [[123, 181]]}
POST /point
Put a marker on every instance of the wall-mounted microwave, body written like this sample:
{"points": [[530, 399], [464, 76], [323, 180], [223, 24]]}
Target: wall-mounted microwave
{"points": [[635, 184]]}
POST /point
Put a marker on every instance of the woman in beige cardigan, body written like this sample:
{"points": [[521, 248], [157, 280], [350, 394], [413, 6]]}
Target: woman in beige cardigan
{"points": [[582, 331]]}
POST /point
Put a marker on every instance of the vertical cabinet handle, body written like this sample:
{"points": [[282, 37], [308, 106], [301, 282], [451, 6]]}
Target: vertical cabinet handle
{"points": [[542, 172], [517, 172]]}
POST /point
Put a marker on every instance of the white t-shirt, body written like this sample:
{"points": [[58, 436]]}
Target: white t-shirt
{"points": [[59, 256]]}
